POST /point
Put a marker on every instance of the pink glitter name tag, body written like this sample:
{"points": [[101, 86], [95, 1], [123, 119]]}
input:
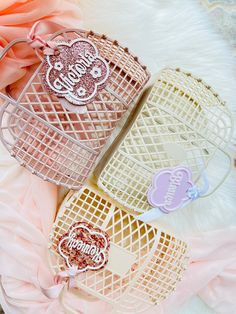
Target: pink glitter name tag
{"points": [[84, 247], [169, 189], [76, 73]]}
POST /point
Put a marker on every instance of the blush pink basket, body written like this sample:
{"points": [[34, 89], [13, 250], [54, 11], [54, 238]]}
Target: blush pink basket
{"points": [[62, 146], [145, 263]]}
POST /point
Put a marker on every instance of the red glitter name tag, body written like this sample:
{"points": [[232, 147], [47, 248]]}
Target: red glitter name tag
{"points": [[77, 72], [85, 247]]}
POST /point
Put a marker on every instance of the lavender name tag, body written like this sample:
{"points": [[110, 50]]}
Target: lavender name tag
{"points": [[169, 189]]}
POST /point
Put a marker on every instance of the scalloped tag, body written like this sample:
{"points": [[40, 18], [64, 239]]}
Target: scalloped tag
{"points": [[84, 247], [76, 72], [169, 188]]}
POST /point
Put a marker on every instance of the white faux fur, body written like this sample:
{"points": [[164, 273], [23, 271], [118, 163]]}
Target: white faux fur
{"points": [[177, 33], [162, 33]]}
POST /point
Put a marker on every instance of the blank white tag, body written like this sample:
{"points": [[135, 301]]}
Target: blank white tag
{"points": [[120, 261]]}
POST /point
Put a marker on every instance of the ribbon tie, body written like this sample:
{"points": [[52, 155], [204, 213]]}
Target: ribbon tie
{"points": [[37, 42], [195, 192], [62, 279]]}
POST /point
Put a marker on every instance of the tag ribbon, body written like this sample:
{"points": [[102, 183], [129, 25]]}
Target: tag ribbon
{"points": [[37, 42], [62, 279]]}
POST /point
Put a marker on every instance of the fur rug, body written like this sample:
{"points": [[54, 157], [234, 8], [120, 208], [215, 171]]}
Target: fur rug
{"points": [[177, 33]]}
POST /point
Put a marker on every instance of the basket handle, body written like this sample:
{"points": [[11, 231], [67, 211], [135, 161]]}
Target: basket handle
{"points": [[10, 45], [226, 174], [4, 52], [32, 38]]}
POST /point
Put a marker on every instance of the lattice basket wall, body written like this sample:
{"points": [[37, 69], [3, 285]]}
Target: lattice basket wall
{"points": [[182, 122], [59, 145], [144, 265]]}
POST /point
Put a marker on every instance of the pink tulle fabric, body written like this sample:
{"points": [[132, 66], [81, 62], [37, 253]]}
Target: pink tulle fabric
{"points": [[28, 204]]}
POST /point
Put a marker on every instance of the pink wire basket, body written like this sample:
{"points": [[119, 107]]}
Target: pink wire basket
{"points": [[59, 145]]}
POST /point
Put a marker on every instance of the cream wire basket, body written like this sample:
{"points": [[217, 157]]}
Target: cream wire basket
{"points": [[144, 265], [182, 121], [59, 145]]}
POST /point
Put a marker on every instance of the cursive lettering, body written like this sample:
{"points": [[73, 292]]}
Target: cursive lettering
{"points": [[86, 248], [175, 181], [76, 71]]}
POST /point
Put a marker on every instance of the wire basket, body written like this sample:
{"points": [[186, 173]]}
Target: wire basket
{"points": [[144, 264], [181, 122], [60, 145]]}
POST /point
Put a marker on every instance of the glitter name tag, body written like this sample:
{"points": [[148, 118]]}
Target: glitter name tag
{"points": [[76, 72], [85, 247]]}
